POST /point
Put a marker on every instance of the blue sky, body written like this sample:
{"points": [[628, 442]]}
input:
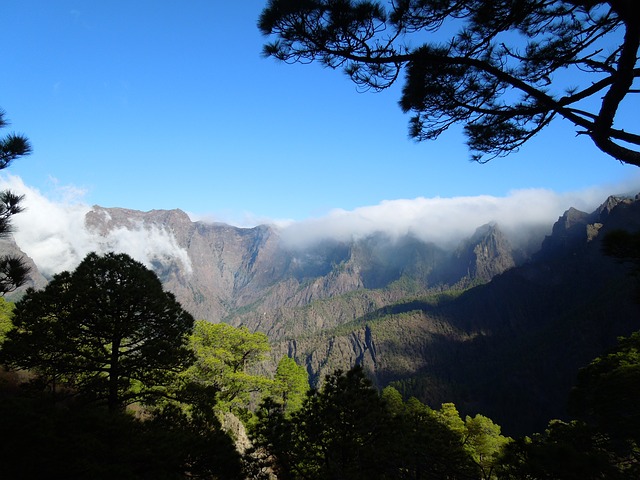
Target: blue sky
{"points": [[169, 104]]}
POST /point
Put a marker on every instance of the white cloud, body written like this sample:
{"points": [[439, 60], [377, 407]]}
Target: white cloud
{"points": [[243, 220], [53, 232], [445, 221]]}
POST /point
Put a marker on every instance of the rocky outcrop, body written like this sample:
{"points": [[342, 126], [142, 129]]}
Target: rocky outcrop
{"points": [[510, 346], [483, 256], [515, 341], [249, 276]]}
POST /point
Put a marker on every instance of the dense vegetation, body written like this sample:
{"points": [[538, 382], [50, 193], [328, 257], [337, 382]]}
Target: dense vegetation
{"points": [[106, 376], [110, 378]]}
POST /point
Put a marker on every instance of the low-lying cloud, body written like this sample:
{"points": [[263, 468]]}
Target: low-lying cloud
{"points": [[54, 234], [445, 221]]}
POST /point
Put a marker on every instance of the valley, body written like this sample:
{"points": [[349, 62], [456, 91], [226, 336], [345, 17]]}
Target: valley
{"points": [[494, 328]]}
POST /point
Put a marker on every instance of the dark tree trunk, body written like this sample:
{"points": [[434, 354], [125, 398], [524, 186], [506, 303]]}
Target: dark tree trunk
{"points": [[113, 399]]}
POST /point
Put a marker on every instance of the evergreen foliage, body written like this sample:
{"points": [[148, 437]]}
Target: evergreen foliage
{"points": [[224, 356], [495, 66], [291, 383], [347, 430], [6, 313], [107, 331], [13, 270]]}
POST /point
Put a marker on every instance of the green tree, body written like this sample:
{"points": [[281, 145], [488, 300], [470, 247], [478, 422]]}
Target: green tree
{"points": [[13, 270], [606, 394], [346, 430], [393, 400], [603, 441], [485, 443], [498, 67], [342, 431], [431, 443], [223, 357], [291, 383], [564, 451], [449, 416], [108, 330], [6, 313]]}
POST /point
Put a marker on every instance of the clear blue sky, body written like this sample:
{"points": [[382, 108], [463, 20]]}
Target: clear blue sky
{"points": [[158, 104]]}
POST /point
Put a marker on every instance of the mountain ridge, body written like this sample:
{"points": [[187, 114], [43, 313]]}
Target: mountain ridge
{"points": [[483, 323]]}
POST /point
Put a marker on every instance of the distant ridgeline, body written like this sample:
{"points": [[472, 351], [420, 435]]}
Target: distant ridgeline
{"points": [[493, 328]]}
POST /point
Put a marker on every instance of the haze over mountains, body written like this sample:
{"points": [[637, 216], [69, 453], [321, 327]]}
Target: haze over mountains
{"points": [[486, 302], [52, 229]]}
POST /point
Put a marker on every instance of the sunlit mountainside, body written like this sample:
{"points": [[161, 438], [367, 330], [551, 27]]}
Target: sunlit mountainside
{"points": [[493, 325]]}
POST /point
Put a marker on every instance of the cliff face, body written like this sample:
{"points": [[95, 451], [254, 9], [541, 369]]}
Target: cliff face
{"points": [[510, 348], [213, 268], [249, 276], [404, 308], [483, 256]]}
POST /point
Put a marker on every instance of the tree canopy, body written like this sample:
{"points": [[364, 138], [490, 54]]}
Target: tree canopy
{"points": [[291, 383], [223, 356], [347, 430], [504, 69], [13, 270], [108, 331], [606, 393]]}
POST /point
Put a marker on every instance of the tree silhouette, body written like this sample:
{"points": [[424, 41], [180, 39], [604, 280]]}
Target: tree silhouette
{"points": [[13, 270], [505, 69], [107, 330], [346, 430]]}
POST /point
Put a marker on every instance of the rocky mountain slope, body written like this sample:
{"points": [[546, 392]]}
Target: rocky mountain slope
{"points": [[510, 348], [250, 276], [492, 328]]}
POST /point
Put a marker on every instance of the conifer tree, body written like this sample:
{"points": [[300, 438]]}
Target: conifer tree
{"points": [[13, 270], [503, 69], [107, 331]]}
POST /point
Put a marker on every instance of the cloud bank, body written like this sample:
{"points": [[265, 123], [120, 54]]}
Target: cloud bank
{"points": [[54, 235], [53, 232], [445, 221]]}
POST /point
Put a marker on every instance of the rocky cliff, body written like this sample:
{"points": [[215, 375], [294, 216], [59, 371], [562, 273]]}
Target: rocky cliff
{"points": [[509, 348], [249, 276], [494, 329]]}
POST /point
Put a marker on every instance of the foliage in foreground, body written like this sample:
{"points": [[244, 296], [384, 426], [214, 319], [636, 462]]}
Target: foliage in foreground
{"points": [[498, 68], [107, 331], [347, 430], [42, 439]]}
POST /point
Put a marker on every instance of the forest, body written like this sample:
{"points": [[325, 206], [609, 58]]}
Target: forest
{"points": [[106, 376]]}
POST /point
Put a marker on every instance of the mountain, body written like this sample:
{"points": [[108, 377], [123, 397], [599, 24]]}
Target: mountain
{"points": [[496, 329], [509, 348], [251, 277]]}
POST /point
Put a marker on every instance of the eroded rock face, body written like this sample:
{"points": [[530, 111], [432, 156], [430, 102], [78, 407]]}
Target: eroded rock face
{"points": [[527, 329], [249, 276]]}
